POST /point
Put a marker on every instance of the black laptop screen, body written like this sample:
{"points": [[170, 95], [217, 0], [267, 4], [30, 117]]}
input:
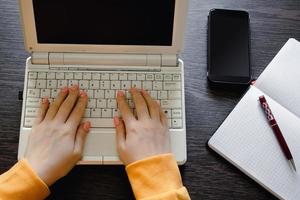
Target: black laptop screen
{"points": [[106, 22]]}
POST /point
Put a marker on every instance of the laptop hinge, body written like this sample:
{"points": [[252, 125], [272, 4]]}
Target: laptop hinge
{"points": [[104, 61]]}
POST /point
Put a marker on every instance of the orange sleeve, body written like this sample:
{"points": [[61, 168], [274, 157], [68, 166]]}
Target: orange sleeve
{"points": [[157, 177], [21, 182]]}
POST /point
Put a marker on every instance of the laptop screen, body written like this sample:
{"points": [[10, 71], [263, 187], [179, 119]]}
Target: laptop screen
{"points": [[105, 22]]}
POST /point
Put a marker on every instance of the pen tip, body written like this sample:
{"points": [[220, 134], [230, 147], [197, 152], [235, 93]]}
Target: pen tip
{"points": [[293, 164]]}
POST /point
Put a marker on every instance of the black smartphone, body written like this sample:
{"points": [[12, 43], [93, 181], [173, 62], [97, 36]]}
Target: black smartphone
{"points": [[229, 47]]}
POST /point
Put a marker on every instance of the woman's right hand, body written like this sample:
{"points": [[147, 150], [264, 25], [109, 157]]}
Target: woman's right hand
{"points": [[144, 135]]}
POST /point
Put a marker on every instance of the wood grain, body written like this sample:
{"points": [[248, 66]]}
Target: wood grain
{"points": [[206, 175]]}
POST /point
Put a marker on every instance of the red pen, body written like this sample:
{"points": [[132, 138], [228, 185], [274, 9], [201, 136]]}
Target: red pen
{"points": [[277, 131]]}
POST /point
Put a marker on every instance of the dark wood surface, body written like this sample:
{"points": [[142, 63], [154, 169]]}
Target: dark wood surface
{"points": [[206, 175]]}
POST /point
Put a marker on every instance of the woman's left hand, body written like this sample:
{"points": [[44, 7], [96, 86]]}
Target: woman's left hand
{"points": [[57, 138]]}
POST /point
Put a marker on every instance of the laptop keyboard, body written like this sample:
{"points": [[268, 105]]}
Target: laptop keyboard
{"points": [[101, 89]]}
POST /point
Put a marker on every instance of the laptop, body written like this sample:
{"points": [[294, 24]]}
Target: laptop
{"points": [[105, 46]]}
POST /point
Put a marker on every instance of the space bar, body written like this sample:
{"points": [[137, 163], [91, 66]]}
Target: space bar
{"points": [[100, 122]]}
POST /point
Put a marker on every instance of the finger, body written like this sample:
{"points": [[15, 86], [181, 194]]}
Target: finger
{"points": [[56, 104], [42, 111], [163, 118], [140, 104], [120, 133], [152, 106], [68, 105], [80, 138], [126, 112], [78, 111]]}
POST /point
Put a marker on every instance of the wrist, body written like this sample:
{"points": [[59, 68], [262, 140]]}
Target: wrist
{"points": [[41, 172]]}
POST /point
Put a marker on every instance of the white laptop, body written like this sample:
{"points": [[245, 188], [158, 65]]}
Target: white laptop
{"points": [[105, 46]]}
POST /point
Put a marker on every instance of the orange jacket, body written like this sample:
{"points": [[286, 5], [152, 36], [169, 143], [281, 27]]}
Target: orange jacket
{"points": [[156, 177]]}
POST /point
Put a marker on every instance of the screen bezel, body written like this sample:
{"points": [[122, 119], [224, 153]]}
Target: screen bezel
{"points": [[32, 45], [228, 79]]}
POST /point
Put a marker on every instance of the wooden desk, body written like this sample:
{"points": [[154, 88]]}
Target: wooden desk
{"points": [[206, 175]]}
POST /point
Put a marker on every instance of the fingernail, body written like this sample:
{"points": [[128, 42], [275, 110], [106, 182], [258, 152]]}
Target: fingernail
{"points": [[116, 121], [120, 93], [65, 89], [87, 126], [83, 94], [45, 100]]}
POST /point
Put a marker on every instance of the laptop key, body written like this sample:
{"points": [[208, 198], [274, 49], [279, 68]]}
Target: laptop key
{"points": [[94, 85], [101, 103], [176, 123], [32, 75], [159, 77], [115, 85], [157, 85], [78, 75], [107, 113], [62, 83], [131, 77], [149, 77], [112, 103], [99, 94], [33, 93], [28, 122], [114, 77], [87, 76], [31, 83], [110, 94], [51, 84], [60, 75], [95, 112], [136, 84], [176, 114], [91, 103], [147, 85], [33, 102], [125, 85], [96, 76], [170, 103], [174, 94], [172, 85], [84, 84], [72, 82], [140, 77], [105, 77], [123, 77], [45, 93], [51, 75], [69, 75], [168, 77], [54, 93], [162, 95], [41, 84], [31, 112], [42, 75]]}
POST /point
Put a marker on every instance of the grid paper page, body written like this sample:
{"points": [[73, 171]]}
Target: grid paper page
{"points": [[281, 79], [246, 140]]}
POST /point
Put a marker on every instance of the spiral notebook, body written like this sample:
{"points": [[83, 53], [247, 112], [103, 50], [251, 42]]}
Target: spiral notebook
{"points": [[245, 138]]}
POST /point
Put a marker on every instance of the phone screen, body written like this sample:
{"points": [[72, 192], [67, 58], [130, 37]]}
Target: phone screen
{"points": [[229, 46]]}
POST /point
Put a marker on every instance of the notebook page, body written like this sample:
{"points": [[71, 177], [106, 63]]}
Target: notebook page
{"points": [[281, 79], [246, 140]]}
